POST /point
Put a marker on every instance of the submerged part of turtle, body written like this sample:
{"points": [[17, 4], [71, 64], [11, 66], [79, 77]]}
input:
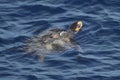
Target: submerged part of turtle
{"points": [[54, 41]]}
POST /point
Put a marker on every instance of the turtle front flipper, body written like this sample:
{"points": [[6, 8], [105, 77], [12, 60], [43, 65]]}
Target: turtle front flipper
{"points": [[41, 58], [76, 45]]}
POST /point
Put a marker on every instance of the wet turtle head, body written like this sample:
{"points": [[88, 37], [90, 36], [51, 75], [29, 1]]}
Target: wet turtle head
{"points": [[76, 26]]}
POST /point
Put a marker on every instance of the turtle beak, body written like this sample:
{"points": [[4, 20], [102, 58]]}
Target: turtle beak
{"points": [[78, 26]]}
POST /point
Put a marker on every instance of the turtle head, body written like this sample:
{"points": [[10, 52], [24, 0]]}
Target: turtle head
{"points": [[76, 26]]}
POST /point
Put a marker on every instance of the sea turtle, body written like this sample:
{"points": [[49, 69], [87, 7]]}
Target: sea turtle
{"points": [[53, 40]]}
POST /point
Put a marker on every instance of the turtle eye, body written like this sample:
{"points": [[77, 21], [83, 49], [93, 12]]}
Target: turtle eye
{"points": [[79, 26]]}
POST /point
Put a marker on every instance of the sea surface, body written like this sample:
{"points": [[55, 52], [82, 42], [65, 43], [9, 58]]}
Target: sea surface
{"points": [[99, 39]]}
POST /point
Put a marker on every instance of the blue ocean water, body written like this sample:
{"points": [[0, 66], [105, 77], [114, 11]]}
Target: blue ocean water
{"points": [[99, 39]]}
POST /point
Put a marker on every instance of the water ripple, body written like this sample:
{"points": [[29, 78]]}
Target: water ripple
{"points": [[99, 39]]}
